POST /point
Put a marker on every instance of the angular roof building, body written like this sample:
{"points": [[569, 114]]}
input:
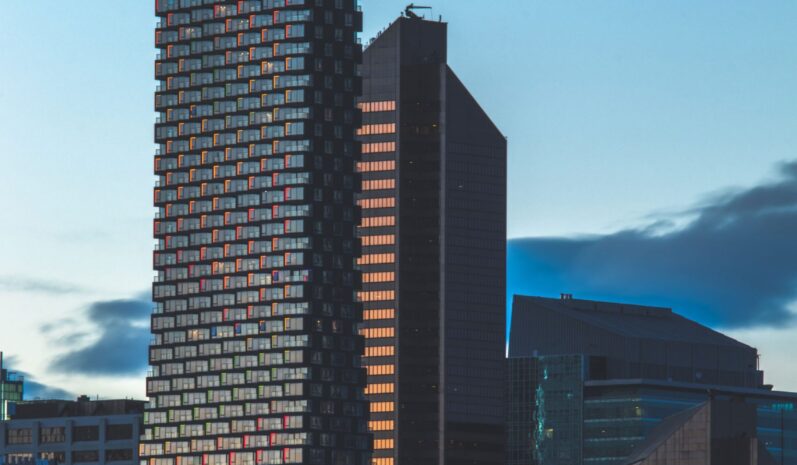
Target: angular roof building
{"points": [[614, 384], [631, 341]]}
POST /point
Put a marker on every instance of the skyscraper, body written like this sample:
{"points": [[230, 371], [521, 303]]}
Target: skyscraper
{"points": [[434, 237], [255, 354]]}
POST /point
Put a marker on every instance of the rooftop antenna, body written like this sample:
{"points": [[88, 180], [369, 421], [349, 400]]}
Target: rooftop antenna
{"points": [[409, 10]]}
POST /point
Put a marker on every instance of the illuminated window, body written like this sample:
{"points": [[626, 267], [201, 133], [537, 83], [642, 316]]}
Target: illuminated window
{"points": [[382, 460], [384, 388], [372, 107], [386, 239], [374, 129], [371, 166], [379, 314], [380, 370], [375, 296], [380, 425], [374, 333], [380, 351], [382, 202], [377, 184], [378, 221], [383, 444], [385, 277], [379, 147], [376, 259], [382, 406]]}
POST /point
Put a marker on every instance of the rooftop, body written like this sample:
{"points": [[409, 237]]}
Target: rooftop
{"points": [[83, 407], [633, 321]]}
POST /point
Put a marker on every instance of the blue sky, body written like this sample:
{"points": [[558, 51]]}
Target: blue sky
{"points": [[619, 114]]}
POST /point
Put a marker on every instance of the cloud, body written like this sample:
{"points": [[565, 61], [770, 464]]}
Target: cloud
{"points": [[34, 389], [40, 286], [121, 345], [733, 265]]}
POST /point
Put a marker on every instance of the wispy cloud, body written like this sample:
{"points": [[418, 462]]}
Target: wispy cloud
{"points": [[119, 345], [38, 286], [733, 265]]}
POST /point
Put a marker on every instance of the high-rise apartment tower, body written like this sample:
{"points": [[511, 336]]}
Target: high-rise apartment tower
{"points": [[255, 355], [434, 238]]}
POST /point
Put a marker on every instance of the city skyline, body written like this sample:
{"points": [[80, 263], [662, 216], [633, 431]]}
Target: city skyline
{"points": [[96, 272]]}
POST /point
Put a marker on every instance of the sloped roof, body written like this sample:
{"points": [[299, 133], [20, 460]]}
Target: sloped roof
{"points": [[627, 320]]}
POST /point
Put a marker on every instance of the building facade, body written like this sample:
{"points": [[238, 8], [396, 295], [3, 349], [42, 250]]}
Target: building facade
{"points": [[626, 379], [255, 357], [715, 432], [11, 390], [433, 233], [72, 432]]}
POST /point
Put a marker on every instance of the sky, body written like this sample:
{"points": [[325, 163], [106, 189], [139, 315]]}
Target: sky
{"points": [[652, 149]]}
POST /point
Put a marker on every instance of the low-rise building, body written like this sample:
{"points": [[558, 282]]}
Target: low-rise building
{"points": [[72, 432]]}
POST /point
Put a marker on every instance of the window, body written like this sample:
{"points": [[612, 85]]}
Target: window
{"points": [[371, 107], [85, 433], [377, 184], [378, 221], [383, 443], [376, 259], [380, 370], [371, 166], [379, 314], [375, 333], [383, 425], [382, 202], [375, 296], [82, 456], [378, 147], [386, 277], [50, 435], [374, 129], [118, 455], [118, 432], [57, 457], [382, 406], [19, 436], [379, 351]]}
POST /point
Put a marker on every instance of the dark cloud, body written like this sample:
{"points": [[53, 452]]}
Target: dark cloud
{"points": [[119, 346], [35, 390], [733, 265], [32, 388], [40, 286]]}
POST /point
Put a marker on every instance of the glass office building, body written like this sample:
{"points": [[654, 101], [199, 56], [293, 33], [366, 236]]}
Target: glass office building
{"points": [[626, 371], [433, 233], [255, 355], [619, 415], [11, 390], [544, 412]]}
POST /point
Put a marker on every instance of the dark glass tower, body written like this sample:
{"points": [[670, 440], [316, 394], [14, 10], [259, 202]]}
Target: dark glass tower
{"points": [[255, 353], [434, 237]]}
